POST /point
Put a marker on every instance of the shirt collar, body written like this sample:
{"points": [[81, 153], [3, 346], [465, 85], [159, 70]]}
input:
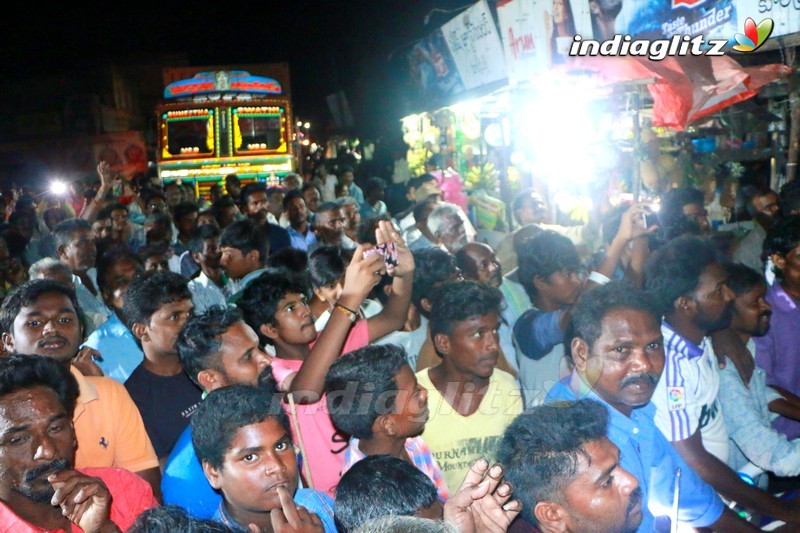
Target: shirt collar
{"points": [[675, 341], [87, 391], [582, 390]]}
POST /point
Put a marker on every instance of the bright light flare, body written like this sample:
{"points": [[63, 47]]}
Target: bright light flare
{"points": [[58, 187], [559, 129]]}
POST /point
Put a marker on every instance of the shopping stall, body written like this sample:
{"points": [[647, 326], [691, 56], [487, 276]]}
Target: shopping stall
{"points": [[583, 128]]}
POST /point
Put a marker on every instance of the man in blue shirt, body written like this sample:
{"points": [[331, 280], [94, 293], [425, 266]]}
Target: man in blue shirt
{"points": [[618, 355], [120, 354], [216, 349]]}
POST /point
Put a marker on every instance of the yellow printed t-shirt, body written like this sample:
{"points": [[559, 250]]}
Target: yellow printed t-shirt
{"points": [[108, 427], [457, 441]]}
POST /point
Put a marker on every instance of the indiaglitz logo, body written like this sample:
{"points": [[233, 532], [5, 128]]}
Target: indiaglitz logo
{"points": [[754, 35]]}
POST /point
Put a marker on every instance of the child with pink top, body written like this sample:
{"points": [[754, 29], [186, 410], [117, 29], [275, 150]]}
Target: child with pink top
{"points": [[275, 306]]}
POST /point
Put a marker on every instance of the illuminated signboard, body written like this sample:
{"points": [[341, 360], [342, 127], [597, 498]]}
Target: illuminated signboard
{"points": [[223, 81]]}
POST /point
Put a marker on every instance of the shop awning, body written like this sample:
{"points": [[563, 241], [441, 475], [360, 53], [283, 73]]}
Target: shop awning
{"points": [[686, 88]]}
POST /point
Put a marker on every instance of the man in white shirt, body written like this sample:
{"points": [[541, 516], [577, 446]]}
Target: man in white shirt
{"points": [[212, 286]]}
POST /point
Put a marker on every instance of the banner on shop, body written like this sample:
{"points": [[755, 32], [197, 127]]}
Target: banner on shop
{"points": [[475, 46], [432, 71]]}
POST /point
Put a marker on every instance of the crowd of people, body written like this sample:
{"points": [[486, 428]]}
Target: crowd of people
{"points": [[298, 358]]}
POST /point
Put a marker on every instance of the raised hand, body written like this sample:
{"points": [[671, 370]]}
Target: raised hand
{"points": [[481, 504], [363, 273], [385, 233]]}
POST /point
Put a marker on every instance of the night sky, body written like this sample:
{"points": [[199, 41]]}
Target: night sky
{"points": [[330, 45]]}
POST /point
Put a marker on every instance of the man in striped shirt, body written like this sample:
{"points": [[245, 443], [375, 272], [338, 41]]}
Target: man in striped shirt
{"points": [[689, 284]]}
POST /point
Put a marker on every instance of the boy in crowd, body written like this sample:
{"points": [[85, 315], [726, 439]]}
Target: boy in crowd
{"points": [[245, 248], [42, 317], [374, 396], [275, 306], [156, 307], [551, 272], [120, 353], [471, 402], [242, 439], [217, 349], [41, 489], [211, 286]]}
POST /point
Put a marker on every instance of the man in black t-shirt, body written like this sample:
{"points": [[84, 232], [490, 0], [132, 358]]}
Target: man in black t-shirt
{"points": [[156, 306]]}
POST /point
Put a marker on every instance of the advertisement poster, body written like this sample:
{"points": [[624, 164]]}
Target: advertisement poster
{"points": [[475, 46], [715, 19], [432, 71], [537, 34]]}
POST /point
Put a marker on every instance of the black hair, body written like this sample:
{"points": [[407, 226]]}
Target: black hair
{"points": [[671, 218], [289, 258], [345, 168], [151, 290], [674, 269], [789, 198], [183, 209], [222, 203], [246, 236], [367, 227], [146, 252], [260, 299], [112, 256], [592, 307], [781, 239], [251, 188], [274, 189], [543, 448], [456, 301], [171, 518], [307, 186], [425, 178], [153, 193], [753, 191], [200, 339], [380, 485], [20, 372], [225, 411], [742, 279], [200, 235], [116, 206], [431, 267], [27, 294], [374, 184], [365, 386], [104, 213], [544, 254], [64, 230], [324, 207], [520, 200], [291, 195], [325, 266]]}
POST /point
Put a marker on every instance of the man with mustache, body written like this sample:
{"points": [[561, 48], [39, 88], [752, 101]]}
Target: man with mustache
{"points": [[40, 488], [743, 391], [689, 285], [618, 353], [42, 317], [216, 349], [567, 473]]}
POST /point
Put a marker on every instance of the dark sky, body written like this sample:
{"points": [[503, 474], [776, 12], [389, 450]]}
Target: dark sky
{"points": [[330, 45]]}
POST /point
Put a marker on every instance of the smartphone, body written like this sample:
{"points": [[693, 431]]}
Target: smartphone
{"points": [[650, 219], [388, 251]]}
